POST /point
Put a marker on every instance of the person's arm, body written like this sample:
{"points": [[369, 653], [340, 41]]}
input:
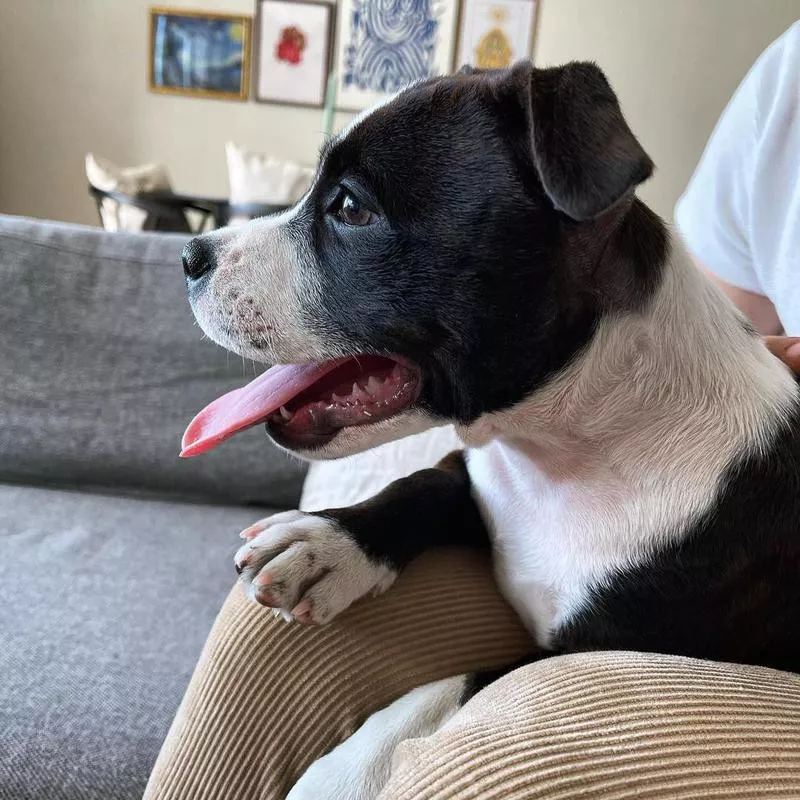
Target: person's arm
{"points": [[756, 307], [732, 215], [760, 311]]}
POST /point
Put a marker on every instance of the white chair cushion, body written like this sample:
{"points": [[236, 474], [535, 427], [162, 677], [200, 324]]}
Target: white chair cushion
{"points": [[350, 480], [110, 177], [259, 178]]}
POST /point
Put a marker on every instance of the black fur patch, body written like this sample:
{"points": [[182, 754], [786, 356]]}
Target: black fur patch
{"points": [[585, 153], [430, 508], [482, 267]]}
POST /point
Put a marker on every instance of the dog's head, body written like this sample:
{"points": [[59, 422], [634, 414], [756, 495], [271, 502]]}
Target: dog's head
{"points": [[457, 248]]}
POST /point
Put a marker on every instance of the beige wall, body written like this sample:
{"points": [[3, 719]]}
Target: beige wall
{"points": [[673, 63], [73, 75], [73, 78]]}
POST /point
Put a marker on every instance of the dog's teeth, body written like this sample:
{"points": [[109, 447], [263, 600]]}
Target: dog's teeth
{"points": [[336, 399], [373, 385], [285, 414], [359, 393]]}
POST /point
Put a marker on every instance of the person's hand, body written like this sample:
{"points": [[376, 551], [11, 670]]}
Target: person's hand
{"points": [[787, 348]]}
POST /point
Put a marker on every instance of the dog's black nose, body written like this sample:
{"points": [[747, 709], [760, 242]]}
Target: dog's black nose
{"points": [[198, 258]]}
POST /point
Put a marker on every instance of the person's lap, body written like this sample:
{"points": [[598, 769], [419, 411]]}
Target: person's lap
{"points": [[615, 725], [268, 698]]}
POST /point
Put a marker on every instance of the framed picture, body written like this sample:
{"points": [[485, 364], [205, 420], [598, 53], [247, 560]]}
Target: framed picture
{"points": [[293, 51], [383, 46], [493, 34], [199, 53]]}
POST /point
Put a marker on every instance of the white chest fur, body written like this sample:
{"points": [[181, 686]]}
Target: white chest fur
{"points": [[615, 457], [555, 539]]}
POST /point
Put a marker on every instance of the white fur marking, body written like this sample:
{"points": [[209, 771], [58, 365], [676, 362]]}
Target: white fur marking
{"points": [[264, 287], [308, 559], [360, 767]]}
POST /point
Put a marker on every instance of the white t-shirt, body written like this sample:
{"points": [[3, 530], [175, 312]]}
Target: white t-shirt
{"points": [[740, 214]]}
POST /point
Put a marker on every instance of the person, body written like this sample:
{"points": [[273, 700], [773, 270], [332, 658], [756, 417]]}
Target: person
{"points": [[740, 215]]}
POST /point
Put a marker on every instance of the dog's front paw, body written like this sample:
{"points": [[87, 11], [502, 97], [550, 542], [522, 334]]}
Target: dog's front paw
{"points": [[307, 567]]}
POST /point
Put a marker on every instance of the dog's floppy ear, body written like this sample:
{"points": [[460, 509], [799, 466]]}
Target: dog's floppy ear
{"points": [[586, 155]]}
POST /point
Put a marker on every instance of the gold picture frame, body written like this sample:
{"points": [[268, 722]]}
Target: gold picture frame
{"points": [[166, 70], [530, 30]]}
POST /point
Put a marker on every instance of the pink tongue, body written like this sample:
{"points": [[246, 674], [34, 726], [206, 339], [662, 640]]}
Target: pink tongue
{"points": [[245, 407]]}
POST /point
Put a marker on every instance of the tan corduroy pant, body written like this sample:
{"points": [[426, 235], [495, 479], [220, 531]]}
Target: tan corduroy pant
{"points": [[268, 698]]}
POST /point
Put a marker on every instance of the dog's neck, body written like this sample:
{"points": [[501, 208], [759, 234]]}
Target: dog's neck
{"points": [[680, 383]]}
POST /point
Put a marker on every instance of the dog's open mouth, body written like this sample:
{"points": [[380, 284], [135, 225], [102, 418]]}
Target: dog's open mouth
{"points": [[306, 405]]}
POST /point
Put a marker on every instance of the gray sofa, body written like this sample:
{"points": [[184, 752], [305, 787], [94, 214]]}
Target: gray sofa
{"points": [[114, 554]]}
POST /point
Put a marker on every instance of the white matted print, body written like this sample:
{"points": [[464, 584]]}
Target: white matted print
{"points": [[495, 33], [293, 40], [383, 45]]}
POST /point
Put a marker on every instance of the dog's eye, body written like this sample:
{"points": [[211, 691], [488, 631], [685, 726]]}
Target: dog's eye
{"points": [[352, 212]]}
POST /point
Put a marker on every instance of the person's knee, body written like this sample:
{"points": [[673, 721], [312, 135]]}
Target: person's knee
{"points": [[607, 723]]}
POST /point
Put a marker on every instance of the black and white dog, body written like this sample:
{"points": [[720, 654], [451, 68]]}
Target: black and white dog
{"points": [[472, 251]]}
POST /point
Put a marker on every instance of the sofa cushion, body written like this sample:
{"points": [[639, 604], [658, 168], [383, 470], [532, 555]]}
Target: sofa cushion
{"points": [[105, 602], [104, 366]]}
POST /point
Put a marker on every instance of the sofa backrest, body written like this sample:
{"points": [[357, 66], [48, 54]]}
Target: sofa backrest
{"points": [[102, 366]]}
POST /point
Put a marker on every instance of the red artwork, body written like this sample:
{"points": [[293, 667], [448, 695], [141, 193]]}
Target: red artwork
{"points": [[291, 45]]}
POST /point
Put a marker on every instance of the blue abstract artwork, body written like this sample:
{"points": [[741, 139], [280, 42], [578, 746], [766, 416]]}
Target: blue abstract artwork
{"points": [[391, 44]]}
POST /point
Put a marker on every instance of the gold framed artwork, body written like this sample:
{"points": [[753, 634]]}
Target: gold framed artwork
{"points": [[493, 34], [199, 53]]}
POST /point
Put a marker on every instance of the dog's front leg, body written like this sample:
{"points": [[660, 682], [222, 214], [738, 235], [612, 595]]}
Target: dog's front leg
{"points": [[311, 567]]}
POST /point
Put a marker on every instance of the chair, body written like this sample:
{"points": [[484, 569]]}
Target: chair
{"points": [[167, 211]]}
